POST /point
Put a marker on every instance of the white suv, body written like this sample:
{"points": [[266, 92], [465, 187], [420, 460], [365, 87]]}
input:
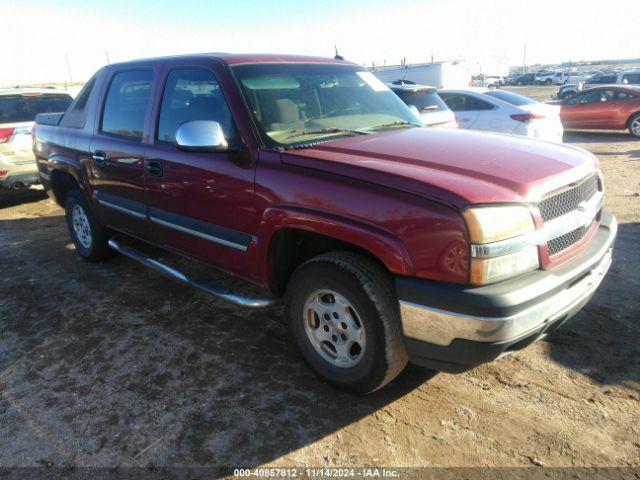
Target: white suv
{"points": [[545, 77], [18, 109]]}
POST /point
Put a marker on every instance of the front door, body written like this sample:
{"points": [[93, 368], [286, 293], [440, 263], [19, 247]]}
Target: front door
{"points": [[201, 204], [117, 152], [585, 110]]}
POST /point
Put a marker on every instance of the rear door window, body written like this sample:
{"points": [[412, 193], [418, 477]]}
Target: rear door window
{"points": [[126, 105], [24, 107], [631, 78], [624, 96], [459, 102]]}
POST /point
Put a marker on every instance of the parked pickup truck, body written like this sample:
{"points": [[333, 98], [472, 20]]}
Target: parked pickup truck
{"points": [[308, 177]]}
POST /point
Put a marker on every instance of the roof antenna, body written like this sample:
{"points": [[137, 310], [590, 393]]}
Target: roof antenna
{"points": [[337, 56]]}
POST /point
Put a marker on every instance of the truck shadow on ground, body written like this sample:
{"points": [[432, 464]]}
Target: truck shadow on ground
{"points": [[99, 361], [603, 340], [11, 198]]}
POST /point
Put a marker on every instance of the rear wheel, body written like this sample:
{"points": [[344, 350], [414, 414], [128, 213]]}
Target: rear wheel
{"points": [[344, 316], [88, 236], [634, 125], [548, 81]]}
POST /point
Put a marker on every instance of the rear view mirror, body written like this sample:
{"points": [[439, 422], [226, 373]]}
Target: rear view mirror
{"points": [[201, 136]]}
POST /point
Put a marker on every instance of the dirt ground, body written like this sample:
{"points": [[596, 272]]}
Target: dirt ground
{"points": [[113, 365]]}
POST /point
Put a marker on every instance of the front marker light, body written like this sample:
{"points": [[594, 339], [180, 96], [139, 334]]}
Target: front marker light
{"points": [[492, 270]]}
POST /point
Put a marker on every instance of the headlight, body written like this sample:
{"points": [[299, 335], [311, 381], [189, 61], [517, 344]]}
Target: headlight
{"points": [[499, 246], [490, 224]]}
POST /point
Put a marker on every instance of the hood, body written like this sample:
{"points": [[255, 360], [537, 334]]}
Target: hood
{"points": [[457, 167]]}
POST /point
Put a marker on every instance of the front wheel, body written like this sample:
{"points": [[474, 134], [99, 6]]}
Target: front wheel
{"points": [[88, 236], [634, 125], [344, 316]]}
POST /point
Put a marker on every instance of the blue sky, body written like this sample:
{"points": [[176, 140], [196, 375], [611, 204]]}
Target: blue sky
{"points": [[45, 33]]}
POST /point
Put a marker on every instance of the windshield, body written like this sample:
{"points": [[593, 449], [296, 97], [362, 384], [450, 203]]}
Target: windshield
{"points": [[512, 98], [302, 103], [24, 108]]}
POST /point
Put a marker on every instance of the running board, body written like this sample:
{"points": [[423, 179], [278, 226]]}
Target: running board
{"points": [[203, 285]]}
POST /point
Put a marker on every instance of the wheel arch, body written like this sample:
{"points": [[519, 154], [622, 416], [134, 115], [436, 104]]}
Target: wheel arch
{"points": [[634, 114], [62, 181], [293, 235]]}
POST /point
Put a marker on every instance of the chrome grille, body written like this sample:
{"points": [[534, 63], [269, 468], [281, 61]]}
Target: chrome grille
{"points": [[568, 200], [563, 242]]}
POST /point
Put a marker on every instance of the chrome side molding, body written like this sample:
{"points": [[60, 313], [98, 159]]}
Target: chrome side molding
{"points": [[203, 285]]}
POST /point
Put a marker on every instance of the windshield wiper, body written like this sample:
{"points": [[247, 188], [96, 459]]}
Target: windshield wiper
{"points": [[395, 124], [328, 130]]}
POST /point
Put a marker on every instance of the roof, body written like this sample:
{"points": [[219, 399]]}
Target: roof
{"points": [[240, 58]]}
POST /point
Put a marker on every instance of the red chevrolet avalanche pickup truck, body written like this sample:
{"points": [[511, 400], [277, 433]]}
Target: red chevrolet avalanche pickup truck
{"points": [[309, 178]]}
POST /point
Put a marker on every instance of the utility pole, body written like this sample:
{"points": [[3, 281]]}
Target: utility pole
{"points": [[66, 56], [524, 58], [106, 54]]}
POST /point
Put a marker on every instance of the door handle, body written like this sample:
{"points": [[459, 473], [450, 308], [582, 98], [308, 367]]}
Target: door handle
{"points": [[99, 158], [154, 167]]}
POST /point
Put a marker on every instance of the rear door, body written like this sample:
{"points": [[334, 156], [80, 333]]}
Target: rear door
{"points": [[627, 104], [118, 148], [201, 204]]}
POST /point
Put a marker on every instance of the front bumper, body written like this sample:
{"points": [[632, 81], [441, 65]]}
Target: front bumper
{"points": [[454, 328]]}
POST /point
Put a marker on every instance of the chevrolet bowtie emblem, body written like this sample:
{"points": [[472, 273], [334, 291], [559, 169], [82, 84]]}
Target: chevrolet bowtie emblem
{"points": [[582, 207]]}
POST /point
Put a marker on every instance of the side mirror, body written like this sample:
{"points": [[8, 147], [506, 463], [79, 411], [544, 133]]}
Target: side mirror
{"points": [[201, 136]]}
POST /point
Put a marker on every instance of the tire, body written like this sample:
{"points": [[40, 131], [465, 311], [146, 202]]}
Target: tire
{"points": [[88, 236], [634, 125], [519, 84], [548, 81], [354, 292]]}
